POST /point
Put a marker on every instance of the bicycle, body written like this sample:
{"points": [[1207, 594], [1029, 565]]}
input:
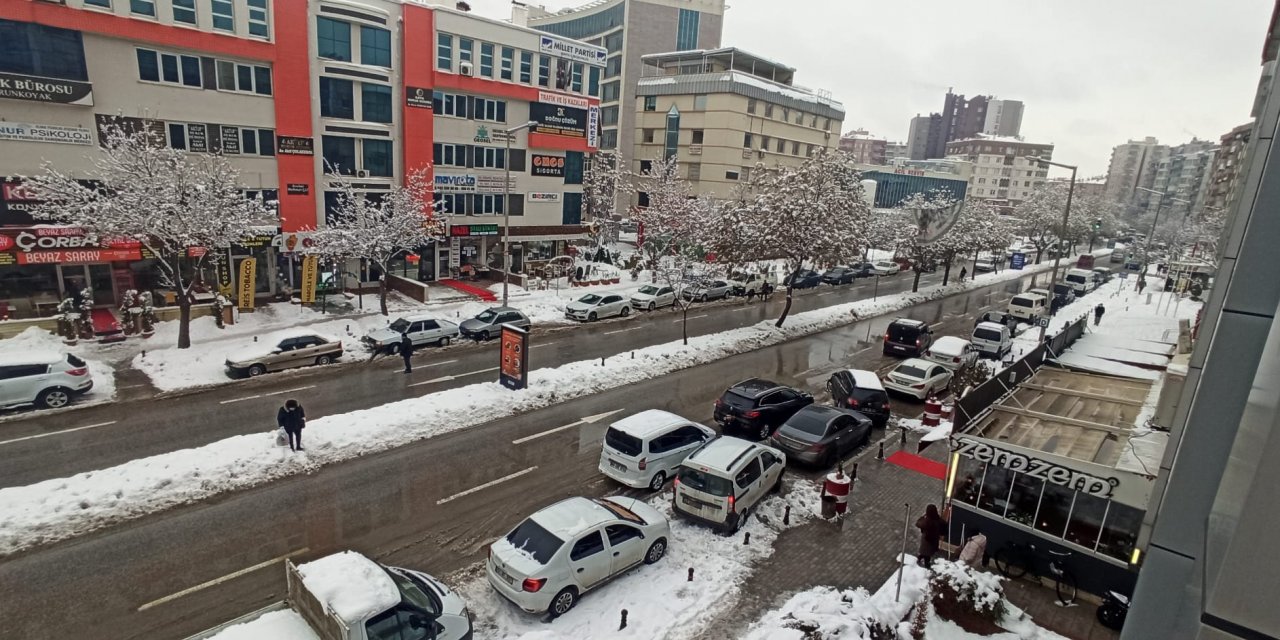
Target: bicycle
{"points": [[1015, 559]]}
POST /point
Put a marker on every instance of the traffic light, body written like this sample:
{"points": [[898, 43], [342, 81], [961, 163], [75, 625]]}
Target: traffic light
{"points": [[1097, 225]]}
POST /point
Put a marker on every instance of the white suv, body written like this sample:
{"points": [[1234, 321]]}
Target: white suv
{"points": [[644, 450], [46, 379], [720, 483]]}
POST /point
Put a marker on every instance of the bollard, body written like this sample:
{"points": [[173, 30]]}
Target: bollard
{"points": [[624, 621], [786, 515], [144, 354], [902, 437], [690, 574], [854, 476], [880, 453], [348, 328], [746, 538], [255, 338], [633, 355]]}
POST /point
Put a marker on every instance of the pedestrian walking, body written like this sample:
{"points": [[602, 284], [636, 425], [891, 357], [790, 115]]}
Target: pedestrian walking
{"points": [[751, 295], [406, 351], [964, 271], [975, 550], [1142, 284], [766, 290], [1097, 314], [292, 419], [932, 527]]}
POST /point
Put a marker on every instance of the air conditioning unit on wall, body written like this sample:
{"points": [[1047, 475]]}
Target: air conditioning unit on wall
{"points": [[466, 69], [362, 174]]}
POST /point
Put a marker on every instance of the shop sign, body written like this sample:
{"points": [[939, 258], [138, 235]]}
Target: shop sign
{"points": [[473, 230], [198, 138], [64, 245], [297, 189], [593, 127], [50, 90], [231, 140], [486, 135], [563, 100], [909, 172], [417, 97], [310, 271], [547, 166], [577, 51], [248, 274], [223, 265], [544, 197], [445, 183], [471, 183], [558, 120], [515, 358], [1037, 468], [495, 184], [1017, 261], [23, 132], [196, 252], [293, 146], [256, 240], [293, 241]]}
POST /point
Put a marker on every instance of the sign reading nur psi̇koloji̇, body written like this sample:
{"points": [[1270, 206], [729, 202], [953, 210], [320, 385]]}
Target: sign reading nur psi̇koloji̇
{"points": [[558, 120], [577, 51], [23, 132], [514, 367], [15, 86], [248, 276]]}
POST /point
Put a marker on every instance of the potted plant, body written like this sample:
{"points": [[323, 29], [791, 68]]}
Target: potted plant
{"points": [[130, 312], [69, 321], [148, 314]]}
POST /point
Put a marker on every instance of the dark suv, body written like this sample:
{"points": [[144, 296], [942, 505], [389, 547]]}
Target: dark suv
{"points": [[861, 391], [907, 337], [756, 407]]}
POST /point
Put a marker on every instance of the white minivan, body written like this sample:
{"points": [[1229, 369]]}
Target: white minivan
{"points": [[47, 379], [1081, 280], [1028, 306], [992, 339], [720, 483], [644, 450]]}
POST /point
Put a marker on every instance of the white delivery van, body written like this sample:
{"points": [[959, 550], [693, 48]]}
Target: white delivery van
{"points": [[1081, 280], [992, 339], [1028, 306]]}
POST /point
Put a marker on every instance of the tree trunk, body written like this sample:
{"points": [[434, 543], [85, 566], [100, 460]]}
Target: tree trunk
{"points": [[184, 320], [382, 292], [684, 325], [915, 280], [786, 308], [946, 271]]}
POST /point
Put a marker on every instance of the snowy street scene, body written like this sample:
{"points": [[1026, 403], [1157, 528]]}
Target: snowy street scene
{"points": [[637, 320]]}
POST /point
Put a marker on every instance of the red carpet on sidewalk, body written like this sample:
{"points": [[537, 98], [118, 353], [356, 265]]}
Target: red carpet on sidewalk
{"points": [[919, 464], [479, 292], [105, 325]]}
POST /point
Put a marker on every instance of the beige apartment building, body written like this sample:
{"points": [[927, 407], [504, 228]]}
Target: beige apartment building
{"points": [[721, 112]]}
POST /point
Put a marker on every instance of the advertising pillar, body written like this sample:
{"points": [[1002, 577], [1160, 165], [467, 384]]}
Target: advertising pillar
{"points": [[514, 367]]}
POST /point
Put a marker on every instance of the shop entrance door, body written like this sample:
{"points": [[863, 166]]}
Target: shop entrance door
{"points": [[75, 277]]}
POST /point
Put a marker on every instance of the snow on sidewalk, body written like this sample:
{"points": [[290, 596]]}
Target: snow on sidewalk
{"points": [[62, 508]]}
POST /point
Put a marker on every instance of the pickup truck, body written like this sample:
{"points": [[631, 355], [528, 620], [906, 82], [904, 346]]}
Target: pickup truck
{"points": [[346, 596]]}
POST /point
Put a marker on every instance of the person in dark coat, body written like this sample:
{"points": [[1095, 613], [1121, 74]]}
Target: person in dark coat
{"points": [[406, 352], [932, 527], [1142, 284], [292, 419], [964, 271], [1097, 314]]}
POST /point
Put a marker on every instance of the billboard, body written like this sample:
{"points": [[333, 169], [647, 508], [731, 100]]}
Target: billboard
{"points": [[558, 120], [514, 367]]}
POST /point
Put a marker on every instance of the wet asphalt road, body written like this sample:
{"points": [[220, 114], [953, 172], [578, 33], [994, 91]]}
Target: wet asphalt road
{"points": [[398, 507]]}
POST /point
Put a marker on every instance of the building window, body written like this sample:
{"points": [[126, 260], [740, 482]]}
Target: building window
{"points": [[687, 30], [375, 47], [672, 138], [490, 158], [786, 114], [731, 175], [169, 68], [333, 39], [646, 167], [1024, 499], [451, 203], [258, 24], [609, 139], [544, 71], [651, 103], [809, 150], [1055, 508], [995, 490], [611, 92], [697, 136], [751, 105], [572, 210], [143, 7], [465, 49], [184, 11], [375, 103], [576, 85], [1120, 531], [593, 82], [795, 148], [799, 117], [613, 67], [491, 110], [224, 15], [448, 104], [337, 98], [178, 136], [695, 171], [613, 42], [526, 67], [813, 122], [377, 157], [486, 59], [232, 76], [700, 103], [444, 52], [764, 143], [1086, 520], [768, 110], [483, 203], [573, 162], [450, 155], [508, 64], [609, 116], [105, 4], [648, 135], [257, 142], [745, 173], [746, 140]]}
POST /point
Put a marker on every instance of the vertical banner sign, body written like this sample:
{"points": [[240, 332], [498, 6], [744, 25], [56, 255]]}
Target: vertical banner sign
{"points": [[1017, 261], [512, 371], [310, 269], [224, 275], [248, 274]]}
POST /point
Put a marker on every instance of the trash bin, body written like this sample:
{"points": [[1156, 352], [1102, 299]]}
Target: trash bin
{"points": [[828, 507]]}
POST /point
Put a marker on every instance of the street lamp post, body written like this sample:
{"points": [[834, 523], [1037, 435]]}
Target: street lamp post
{"points": [[1062, 232], [506, 207]]}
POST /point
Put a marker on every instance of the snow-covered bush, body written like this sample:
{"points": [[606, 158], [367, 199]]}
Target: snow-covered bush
{"points": [[960, 591], [129, 310], [219, 304], [70, 320], [148, 313]]}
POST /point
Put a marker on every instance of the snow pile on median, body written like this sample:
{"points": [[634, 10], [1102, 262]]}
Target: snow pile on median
{"points": [[62, 508]]}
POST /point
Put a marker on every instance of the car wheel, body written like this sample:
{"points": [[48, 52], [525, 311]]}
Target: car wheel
{"points": [[659, 479], [626, 311], [486, 336], [591, 317], [395, 349], [256, 370], [323, 360], [703, 298], [563, 602], [656, 551], [54, 398], [652, 306], [443, 342]]}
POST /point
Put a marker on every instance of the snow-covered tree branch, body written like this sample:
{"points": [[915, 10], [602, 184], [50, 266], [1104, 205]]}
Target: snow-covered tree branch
{"points": [[605, 182]]}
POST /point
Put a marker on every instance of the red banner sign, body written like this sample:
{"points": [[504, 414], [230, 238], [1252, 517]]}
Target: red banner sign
{"points": [[78, 256]]}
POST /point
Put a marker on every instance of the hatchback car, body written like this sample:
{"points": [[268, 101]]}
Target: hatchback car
{"points": [[650, 297], [284, 350], [423, 330], [860, 390], [805, 279], [992, 340], [952, 352], [821, 436], [47, 379], [704, 291], [839, 275], [998, 317], [908, 337], [644, 450], [559, 553], [756, 406], [918, 378], [722, 482], [488, 324], [886, 267], [592, 307]]}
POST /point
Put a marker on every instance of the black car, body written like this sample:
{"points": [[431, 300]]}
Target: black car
{"points": [[818, 435], [1064, 293], [756, 407], [863, 270], [860, 390], [907, 337], [998, 317], [805, 279], [839, 275]]}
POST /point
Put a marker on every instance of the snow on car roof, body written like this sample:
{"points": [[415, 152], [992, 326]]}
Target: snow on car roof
{"points": [[32, 357], [298, 333], [949, 345], [647, 423], [571, 516], [720, 453], [866, 379], [918, 363], [994, 326], [350, 585]]}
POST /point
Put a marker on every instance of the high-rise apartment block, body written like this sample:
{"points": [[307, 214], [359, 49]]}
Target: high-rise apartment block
{"points": [[1133, 165], [962, 119], [864, 147], [1183, 178], [1004, 118], [1224, 182], [1001, 171]]}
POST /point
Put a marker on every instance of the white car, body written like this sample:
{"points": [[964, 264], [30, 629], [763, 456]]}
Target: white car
{"points": [[918, 378], [571, 547], [952, 352], [47, 379], [885, 267], [423, 330], [592, 307], [644, 450], [652, 296]]}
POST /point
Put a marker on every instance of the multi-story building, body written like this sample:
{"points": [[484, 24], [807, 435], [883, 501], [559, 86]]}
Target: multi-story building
{"points": [[287, 90], [895, 151], [1001, 171], [721, 112], [923, 135], [1133, 165], [895, 184], [628, 30], [962, 119], [1224, 182], [960, 169], [1182, 178], [1004, 118], [864, 147]]}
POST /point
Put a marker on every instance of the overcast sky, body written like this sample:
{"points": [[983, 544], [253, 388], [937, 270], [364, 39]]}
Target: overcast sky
{"points": [[1092, 73]]}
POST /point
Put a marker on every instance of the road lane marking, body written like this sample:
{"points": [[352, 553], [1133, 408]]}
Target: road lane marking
{"points": [[486, 485], [828, 293], [587, 420], [424, 366], [543, 344], [216, 581], [54, 433], [131, 386], [240, 399], [691, 318], [620, 331], [276, 393], [453, 377]]}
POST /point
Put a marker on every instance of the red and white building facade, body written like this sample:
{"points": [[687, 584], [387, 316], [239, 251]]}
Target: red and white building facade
{"points": [[287, 90]]}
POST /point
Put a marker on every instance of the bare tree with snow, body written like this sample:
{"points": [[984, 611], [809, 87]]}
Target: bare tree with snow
{"points": [[181, 207], [683, 265], [1040, 216], [666, 219], [605, 181], [979, 227], [379, 229]]}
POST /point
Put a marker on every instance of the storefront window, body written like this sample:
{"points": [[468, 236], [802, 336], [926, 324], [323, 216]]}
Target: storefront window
{"points": [[968, 480], [29, 291], [1120, 531], [1024, 499], [1055, 507], [995, 490], [1086, 520]]}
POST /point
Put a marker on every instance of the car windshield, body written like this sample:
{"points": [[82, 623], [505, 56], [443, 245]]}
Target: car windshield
{"points": [[531, 538], [987, 334], [623, 443], [1021, 302], [1061, 288], [413, 592], [649, 290], [910, 371], [808, 423], [399, 326], [1078, 279], [590, 298], [903, 333], [705, 482], [487, 316]]}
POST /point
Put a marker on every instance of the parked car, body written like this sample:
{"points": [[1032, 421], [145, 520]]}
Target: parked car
{"points": [[1080, 280], [644, 450], [593, 306], [992, 339], [905, 336], [1041, 292], [1028, 307], [863, 269], [652, 296], [1118, 255], [999, 317], [986, 263], [740, 284], [918, 378], [488, 323], [704, 291], [721, 483], [1101, 276], [885, 267], [952, 352], [757, 406], [860, 390], [562, 551], [819, 435], [47, 379], [423, 330], [839, 275], [804, 279], [284, 350], [1064, 294]]}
